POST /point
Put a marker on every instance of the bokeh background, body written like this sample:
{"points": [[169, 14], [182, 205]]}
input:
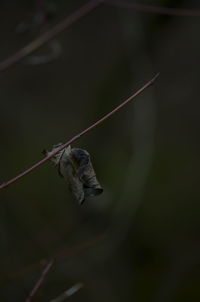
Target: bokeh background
{"points": [[139, 240]]}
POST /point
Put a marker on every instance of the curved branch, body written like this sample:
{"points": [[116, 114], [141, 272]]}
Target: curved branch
{"points": [[154, 9], [76, 137], [50, 34]]}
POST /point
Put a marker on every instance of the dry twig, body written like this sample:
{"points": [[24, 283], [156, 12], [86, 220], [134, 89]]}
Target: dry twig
{"points": [[76, 137]]}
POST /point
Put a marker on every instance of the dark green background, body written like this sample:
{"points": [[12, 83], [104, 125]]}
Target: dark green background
{"points": [[139, 240]]}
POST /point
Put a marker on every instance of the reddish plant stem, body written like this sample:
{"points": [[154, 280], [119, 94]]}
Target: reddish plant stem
{"points": [[76, 137], [154, 9], [65, 253], [40, 281], [50, 34], [82, 11]]}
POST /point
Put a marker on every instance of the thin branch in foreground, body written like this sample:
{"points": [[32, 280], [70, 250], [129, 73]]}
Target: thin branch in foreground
{"points": [[40, 281], [76, 137], [154, 9], [50, 34]]}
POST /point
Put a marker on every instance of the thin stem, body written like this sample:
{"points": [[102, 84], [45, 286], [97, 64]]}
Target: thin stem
{"points": [[82, 11], [40, 281], [67, 252], [154, 9], [68, 293], [50, 34], [76, 137]]}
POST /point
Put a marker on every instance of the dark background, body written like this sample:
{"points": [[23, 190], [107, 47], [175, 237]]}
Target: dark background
{"points": [[139, 240]]}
